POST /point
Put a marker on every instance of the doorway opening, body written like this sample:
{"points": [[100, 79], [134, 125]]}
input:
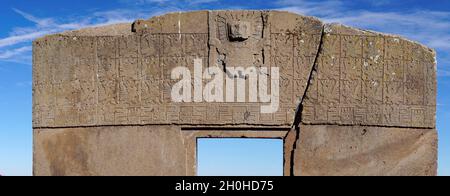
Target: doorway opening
{"points": [[239, 157]]}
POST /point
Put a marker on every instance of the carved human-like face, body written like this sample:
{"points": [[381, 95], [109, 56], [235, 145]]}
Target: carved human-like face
{"points": [[239, 30]]}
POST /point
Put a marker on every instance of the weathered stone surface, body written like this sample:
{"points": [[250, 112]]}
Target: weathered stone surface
{"points": [[154, 150], [364, 103], [367, 78], [358, 150], [109, 30], [81, 79], [174, 23]]}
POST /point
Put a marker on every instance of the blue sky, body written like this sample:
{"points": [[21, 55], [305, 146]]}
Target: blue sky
{"points": [[240, 157], [426, 21]]}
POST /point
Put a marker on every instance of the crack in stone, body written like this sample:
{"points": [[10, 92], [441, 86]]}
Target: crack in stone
{"points": [[294, 148], [298, 113], [299, 110]]}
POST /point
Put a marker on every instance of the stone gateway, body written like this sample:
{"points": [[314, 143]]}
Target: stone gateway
{"points": [[350, 101]]}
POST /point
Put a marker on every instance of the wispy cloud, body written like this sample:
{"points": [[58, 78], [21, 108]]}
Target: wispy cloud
{"points": [[444, 67], [20, 55], [306, 7], [431, 28], [16, 39], [41, 22], [9, 53], [17, 46], [191, 2]]}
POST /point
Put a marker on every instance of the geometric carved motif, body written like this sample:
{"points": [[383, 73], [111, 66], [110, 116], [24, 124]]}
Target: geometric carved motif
{"points": [[125, 79], [360, 77], [365, 78]]}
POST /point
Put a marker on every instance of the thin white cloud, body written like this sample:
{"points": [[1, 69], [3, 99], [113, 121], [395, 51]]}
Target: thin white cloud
{"points": [[17, 46], [314, 8], [45, 26], [39, 21], [428, 27], [431, 28], [42, 27], [10, 53], [19, 55], [12, 49], [11, 46], [191, 2], [12, 40]]}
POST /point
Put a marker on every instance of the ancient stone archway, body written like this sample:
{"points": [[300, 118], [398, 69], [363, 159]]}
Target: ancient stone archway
{"points": [[351, 102]]}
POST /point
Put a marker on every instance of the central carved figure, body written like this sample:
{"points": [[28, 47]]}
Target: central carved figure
{"points": [[239, 31], [237, 40]]}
